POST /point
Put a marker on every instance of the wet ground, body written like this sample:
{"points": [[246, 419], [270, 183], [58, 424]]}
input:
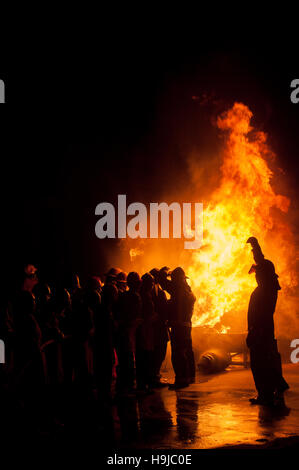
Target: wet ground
{"points": [[214, 412]]}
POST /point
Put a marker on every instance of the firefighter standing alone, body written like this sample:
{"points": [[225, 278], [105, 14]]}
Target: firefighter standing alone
{"points": [[264, 357]]}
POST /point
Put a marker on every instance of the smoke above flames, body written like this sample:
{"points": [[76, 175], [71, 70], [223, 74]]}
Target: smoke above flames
{"points": [[244, 203]]}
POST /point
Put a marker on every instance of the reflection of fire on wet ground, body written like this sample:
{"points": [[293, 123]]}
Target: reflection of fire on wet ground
{"points": [[213, 413]]}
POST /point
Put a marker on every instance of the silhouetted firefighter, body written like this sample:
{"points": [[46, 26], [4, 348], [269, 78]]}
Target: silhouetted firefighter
{"points": [[161, 335], [180, 313], [128, 317], [264, 357], [145, 336]]}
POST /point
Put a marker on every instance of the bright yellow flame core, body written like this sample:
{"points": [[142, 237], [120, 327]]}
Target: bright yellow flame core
{"points": [[241, 207]]}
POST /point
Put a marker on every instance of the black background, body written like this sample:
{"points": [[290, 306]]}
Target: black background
{"points": [[78, 131]]}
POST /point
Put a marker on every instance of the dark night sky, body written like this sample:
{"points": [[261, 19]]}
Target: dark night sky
{"points": [[78, 134]]}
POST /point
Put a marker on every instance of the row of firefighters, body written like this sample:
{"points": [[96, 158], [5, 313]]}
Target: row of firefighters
{"points": [[88, 335], [122, 327]]}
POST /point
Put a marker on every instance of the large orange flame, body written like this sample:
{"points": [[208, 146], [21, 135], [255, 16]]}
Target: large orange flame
{"points": [[244, 204], [241, 207]]}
